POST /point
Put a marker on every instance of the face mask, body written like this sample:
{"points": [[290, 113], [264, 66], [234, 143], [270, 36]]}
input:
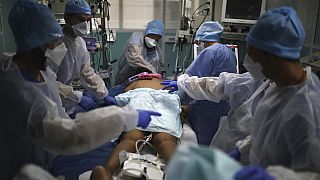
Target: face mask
{"points": [[57, 54], [255, 69], [200, 47], [81, 29], [150, 42]]}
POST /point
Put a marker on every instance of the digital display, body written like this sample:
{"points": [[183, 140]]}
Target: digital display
{"points": [[243, 9]]}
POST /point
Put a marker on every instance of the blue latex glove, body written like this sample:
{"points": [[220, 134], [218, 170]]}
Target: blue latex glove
{"points": [[109, 100], [235, 154], [253, 173], [87, 103], [170, 84], [145, 117]]}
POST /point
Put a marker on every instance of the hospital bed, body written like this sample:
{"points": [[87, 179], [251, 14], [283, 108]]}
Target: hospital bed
{"points": [[135, 164], [188, 137]]}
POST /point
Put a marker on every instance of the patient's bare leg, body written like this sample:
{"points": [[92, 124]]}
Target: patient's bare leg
{"points": [[127, 143], [165, 144]]}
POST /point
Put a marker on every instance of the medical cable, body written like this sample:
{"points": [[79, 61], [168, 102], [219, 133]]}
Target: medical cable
{"points": [[142, 145], [149, 137], [193, 35], [98, 39], [194, 12]]}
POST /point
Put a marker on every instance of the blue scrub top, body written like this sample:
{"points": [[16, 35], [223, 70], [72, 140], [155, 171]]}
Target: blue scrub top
{"points": [[204, 116]]}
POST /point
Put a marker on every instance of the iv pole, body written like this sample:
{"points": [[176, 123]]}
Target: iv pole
{"points": [[103, 6], [179, 40]]}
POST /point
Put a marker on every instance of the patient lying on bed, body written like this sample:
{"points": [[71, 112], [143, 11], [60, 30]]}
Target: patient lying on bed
{"points": [[165, 129]]}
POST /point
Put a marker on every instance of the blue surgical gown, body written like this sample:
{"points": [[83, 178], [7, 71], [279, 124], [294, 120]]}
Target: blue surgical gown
{"points": [[204, 115]]}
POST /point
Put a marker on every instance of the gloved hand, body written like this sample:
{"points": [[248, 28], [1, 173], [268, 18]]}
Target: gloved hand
{"points": [[109, 100], [235, 154], [170, 84], [87, 103], [253, 173], [145, 117]]}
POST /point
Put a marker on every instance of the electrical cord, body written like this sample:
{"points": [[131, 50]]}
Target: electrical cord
{"points": [[192, 39], [138, 149], [206, 9], [208, 3], [203, 18], [98, 39], [142, 145], [149, 137], [108, 34], [193, 35]]}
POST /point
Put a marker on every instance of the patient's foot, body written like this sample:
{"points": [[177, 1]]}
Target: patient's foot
{"points": [[100, 173]]}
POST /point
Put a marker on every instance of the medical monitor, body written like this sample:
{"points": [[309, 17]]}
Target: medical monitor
{"points": [[242, 11]]}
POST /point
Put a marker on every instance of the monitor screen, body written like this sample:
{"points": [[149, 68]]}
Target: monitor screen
{"points": [[242, 11]]}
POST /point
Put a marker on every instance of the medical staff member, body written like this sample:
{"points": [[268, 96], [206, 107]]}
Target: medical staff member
{"points": [[76, 63], [285, 125], [32, 128], [204, 115], [141, 52]]}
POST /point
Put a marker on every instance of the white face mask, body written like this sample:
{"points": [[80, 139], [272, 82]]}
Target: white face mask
{"points": [[255, 69], [81, 29], [57, 54], [150, 42]]}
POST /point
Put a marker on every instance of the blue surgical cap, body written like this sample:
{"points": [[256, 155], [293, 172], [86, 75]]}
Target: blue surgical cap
{"points": [[33, 25], [199, 162], [77, 6], [198, 36], [279, 32], [155, 27], [209, 31]]}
